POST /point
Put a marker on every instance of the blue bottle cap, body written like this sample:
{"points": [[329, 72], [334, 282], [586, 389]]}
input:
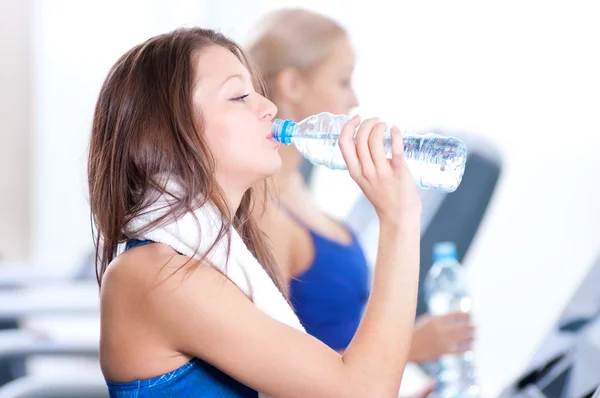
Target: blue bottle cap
{"points": [[444, 251], [282, 130]]}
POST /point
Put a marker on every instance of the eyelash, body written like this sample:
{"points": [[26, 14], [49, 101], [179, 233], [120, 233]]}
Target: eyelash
{"points": [[240, 98]]}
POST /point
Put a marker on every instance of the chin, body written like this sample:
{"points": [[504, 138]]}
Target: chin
{"points": [[268, 171]]}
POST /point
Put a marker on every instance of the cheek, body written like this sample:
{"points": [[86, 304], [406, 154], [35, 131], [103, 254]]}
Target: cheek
{"points": [[217, 146], [229, 137], [218, 137], [329, 98]]}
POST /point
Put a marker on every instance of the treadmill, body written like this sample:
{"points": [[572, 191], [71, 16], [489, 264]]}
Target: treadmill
{"points": [[567, 362]]}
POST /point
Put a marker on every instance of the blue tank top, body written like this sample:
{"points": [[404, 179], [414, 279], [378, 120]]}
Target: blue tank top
{"points": [[330, 296], [195, 379]]}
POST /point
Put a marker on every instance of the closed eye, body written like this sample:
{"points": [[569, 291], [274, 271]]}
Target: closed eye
{"points": [[240, 98]]}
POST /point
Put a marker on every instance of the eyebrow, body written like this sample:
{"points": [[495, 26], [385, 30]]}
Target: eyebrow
{"points": [[234, 76]]}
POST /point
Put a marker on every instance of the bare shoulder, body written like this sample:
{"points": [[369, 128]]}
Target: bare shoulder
{"points": [[140, 267], [150, 273], [145, 298]]}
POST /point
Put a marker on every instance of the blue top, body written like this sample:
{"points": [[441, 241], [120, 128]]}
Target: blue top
{"points": [[330, 296], [195, 379]]}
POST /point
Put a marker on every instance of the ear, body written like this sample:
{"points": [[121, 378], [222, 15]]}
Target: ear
{"points": [[290, 85]]}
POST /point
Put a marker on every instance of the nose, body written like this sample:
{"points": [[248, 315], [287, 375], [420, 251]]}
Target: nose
{"points": [[268, 110]]}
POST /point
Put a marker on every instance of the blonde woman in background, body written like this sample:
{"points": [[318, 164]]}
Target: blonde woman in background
{"points": [[307, 62]]}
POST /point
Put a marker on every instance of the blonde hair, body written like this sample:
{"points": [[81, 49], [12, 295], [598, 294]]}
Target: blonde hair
{"points": [[292, 38]]}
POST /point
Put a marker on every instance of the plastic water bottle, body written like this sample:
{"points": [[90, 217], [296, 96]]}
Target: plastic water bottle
{"points": [[434, 161], [446, 291]]}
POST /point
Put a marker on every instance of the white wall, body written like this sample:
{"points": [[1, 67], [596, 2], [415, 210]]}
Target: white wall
{"points": [[523, 74], [15, 106], [75, 44]]}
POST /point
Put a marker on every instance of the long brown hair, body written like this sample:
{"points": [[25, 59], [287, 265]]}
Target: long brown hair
{"points": [[145, 125]]}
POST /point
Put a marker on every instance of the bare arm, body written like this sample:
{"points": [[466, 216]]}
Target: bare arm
{"points": [[206, 316], [382, 342]]}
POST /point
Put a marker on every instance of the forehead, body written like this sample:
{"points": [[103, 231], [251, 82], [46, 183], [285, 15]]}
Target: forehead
{"points": [[341, 59], [215, 64]]}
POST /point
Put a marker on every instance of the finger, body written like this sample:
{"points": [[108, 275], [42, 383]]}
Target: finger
{"points": [[377, 150], [455, 344], [459, 317], [348, 148], [461, 334], [459, 348], [397, 148], [362, 147]]}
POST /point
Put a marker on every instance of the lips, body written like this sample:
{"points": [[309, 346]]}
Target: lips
{"points": [[273, 140], [270, 136]]}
